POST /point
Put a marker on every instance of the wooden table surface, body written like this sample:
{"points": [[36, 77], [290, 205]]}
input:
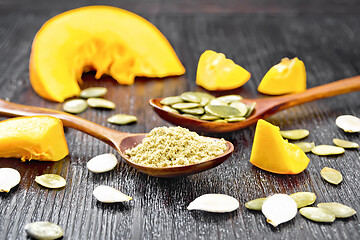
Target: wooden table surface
{"points": [[256, 35]]}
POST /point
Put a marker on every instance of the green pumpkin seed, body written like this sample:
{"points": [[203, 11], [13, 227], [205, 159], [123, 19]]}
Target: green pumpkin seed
{"points": [[209, 117], [295, 134], [75, 106], [241, 107], [331, 175], [190, 97], [348, 123], [205, 98], [338, 209], [255, 204], [50, 181], [317, 214], [204, 101], [229, 98], [44, 230], [344, 143], [220, 121], [327, 150], [171, 100], [251, 109], [305, 146], [122, 119], [93, 92], [100, 103], [235, 119], [216, 102], [222, 111], [196, 111], [185, 105], [9, 178], [170, 109], [190, 115], [303, 199]]}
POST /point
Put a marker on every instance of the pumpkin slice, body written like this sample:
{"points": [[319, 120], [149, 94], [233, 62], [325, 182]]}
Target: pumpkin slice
{"points": [[38, 137], [272, 153], [107, 39]]}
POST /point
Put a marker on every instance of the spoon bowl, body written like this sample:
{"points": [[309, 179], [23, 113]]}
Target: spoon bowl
{"points": [[120, 141], [264, 106]]}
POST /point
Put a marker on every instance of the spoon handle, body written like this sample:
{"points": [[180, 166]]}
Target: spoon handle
{"points": [[107, 135]]}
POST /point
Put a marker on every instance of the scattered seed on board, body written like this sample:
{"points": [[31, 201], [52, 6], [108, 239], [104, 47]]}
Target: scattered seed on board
{"points": [[218, 203], [295, 134], [344, 143], [171, 100], [9, 178], [107, 194], [75, 106], [255, 204], [317, 214], [122, 119], [102, 163], [303, 199], [331, 175], [338, 209], [44, 230], [50, 181], [93, 92], [348, 123], [305, 146], [279, 208], [327, 150], [100, 103]]}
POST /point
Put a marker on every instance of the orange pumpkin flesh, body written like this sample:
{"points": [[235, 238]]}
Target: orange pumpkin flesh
{"points": [[38, 137], [110, 40]]}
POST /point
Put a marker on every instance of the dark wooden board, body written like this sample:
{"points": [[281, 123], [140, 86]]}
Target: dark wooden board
{"points": [[256, 35]]}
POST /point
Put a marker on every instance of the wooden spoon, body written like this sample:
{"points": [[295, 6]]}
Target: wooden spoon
{"points": [[264, 106], [119, 140]]}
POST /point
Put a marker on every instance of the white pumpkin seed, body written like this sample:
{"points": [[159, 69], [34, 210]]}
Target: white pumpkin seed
{"points": [[338, 209], [305, 146], [44, 230], [185, 105], [100, 103], [331, 175], [229, 98], [75, 106], [196, 111], [9, 178], [317, 214], [93, 92], [190, 97], [108, 194], [102, 163], [170, 109], [251, 109], [295, 134], [348, 123], [255, 204], [219, 203], [303, 199], [122, 119], [344, 143], [327, 150], [279, 208], [171, 100], [217, 102], [222, 111], [241, 107], [50, 181]]}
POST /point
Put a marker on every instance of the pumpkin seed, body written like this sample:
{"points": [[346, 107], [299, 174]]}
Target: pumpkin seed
{"points": [[305, 146], [255, 204], [219, 203], [170, 109], [220, 121], [303, 199], [100, 103], [204, 101], [344, 143], [50, 181], [9, 178], [331, 175], [185, 105], [171, 100], [295, 134], [217, 102], [338, 209], [251, 109], [44, 230], [327, 150], [235, 119], [190, 97], [190, 115], [348, 123], [222, 111], [205, 98], [241, 107], [122, 119], [93, 92], [196, 111], [209, 117], [102, 163], [317, 214], [279, 208], [75, 106], [107, 194], [229, 98]]}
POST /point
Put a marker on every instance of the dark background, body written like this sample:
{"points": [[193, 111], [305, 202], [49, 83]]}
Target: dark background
{"points": [[256, 35]]}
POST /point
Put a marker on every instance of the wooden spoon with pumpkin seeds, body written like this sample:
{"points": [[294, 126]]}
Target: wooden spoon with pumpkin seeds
{"points": [[264, 106]]}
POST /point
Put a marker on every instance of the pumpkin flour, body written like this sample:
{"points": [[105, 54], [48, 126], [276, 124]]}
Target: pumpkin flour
{"points": [[175, 146]]}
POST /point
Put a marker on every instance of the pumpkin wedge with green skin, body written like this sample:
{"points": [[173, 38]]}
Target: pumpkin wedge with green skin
{"points": [[272, 153], [109, 40], [38, 137]]}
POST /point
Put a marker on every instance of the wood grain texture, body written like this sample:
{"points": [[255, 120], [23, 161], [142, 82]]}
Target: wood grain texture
{"points": [[256, 35]]}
